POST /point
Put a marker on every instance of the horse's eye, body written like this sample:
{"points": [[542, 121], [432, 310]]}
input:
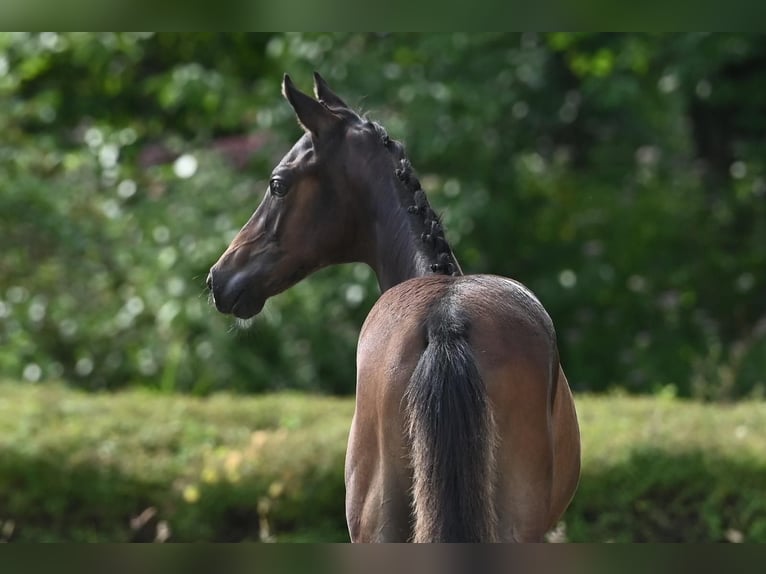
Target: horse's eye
{"points": [[278, 187]]}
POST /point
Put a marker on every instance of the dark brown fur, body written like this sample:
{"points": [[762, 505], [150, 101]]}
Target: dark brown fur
{"points": [[465, 427]]}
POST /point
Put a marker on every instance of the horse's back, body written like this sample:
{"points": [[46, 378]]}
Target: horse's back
{"points": [[506, 324]]}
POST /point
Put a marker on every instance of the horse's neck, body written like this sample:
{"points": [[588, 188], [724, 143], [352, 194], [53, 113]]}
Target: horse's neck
{"points": [[398, 256], [404, 248]]}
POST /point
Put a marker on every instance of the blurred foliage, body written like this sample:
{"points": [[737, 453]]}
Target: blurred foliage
{"points": [[101, 467], [136, 466], [662, 469], [621, 177]]}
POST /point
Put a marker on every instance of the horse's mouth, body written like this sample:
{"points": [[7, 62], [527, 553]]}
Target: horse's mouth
{"points": [[246, 307]]}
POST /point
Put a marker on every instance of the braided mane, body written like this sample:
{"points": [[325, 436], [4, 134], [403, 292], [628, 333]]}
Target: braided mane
{"points": [[432, 237]]}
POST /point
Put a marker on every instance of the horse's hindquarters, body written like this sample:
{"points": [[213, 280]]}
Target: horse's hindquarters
{"points": [[511, 340], [378, 473]]}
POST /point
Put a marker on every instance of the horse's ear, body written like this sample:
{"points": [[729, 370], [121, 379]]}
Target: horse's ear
{"points": [[323, 92], [312, 115]]}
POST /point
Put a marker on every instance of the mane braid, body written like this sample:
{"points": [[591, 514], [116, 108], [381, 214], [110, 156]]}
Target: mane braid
{"points": [[433, 237]]}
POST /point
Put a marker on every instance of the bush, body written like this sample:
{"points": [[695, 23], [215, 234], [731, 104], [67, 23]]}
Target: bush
{"points": [[81, 467], [620, 176], [656, 496], [90, 467]]}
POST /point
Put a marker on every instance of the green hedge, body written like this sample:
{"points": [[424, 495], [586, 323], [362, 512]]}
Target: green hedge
{"points": [[80, 467], [666, 470]]}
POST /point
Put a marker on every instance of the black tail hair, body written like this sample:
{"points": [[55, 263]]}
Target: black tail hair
{"points": [[452, 436]]}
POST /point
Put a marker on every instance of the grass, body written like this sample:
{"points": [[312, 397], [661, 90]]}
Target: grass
{"points": [[77, 466]]}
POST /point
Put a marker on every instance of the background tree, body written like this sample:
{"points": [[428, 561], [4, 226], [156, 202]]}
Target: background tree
{"points": [[621, 177]]}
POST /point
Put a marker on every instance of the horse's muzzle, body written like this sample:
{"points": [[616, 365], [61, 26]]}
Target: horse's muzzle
{"points": [[231, 294]]}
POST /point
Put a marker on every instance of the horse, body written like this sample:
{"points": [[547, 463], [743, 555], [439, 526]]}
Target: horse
{"points": [[464, 427]]}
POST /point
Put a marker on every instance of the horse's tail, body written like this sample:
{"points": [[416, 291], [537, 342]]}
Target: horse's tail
{"points": [[452, 436]]}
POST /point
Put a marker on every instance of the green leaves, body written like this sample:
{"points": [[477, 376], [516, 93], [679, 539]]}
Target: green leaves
{"points": [[621, 176]]}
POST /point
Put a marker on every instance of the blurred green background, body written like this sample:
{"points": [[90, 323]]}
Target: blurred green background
{"points": [[622, 177]]}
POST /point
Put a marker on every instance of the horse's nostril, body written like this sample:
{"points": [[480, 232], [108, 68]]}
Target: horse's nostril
{"points": [[209, 281]]}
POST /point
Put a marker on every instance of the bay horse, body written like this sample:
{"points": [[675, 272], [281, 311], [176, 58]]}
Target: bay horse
{"points": [[465, 427]]}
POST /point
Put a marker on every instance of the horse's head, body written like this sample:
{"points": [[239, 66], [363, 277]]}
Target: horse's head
{"points": [[311, 215]]}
